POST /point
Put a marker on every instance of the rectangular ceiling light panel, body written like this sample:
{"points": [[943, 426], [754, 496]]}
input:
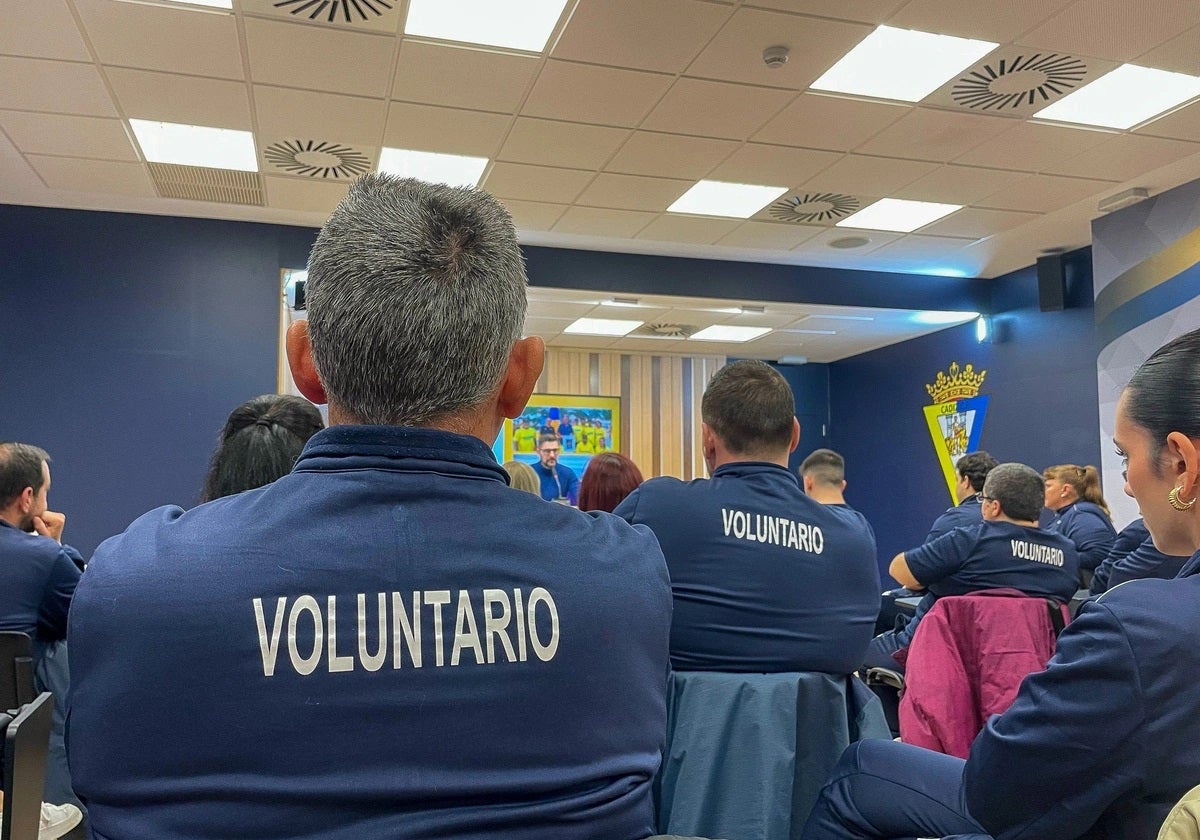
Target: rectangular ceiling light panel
{"points": [[899, 215], [725, 332], [196, 145], [434, 167], [720, 198], [515, 24], [902, 64], [602, 326], [1123, 98]]}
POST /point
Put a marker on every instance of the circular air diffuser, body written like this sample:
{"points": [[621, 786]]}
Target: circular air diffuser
{"points": [[316, 159], [335, 11], [1020, 82], [813, 207]]}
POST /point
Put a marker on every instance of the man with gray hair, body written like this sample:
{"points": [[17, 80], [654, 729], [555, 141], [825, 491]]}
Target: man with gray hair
{"points": [[1006, 550], [368, 647]]}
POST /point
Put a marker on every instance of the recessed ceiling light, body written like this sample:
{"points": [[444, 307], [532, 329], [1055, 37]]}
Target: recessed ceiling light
{"points": [[944, 317], [517, 24], [601, 326], [842, 317], [902, 64], [809, 332], [719, 198], [434, 167], [196, 145], [1123, 97], [622, 301], [725, 332], [898, 214], [216, 4]]}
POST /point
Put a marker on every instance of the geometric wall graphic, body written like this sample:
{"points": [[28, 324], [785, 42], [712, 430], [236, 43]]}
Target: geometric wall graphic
{"points": [[1018, 82], [317, 159]]}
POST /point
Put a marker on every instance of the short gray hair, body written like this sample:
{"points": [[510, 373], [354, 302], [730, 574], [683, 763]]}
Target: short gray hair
{"points": [[1018, 488], [416, 294]]}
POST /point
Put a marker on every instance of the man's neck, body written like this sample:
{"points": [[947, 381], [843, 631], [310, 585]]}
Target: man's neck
{"points": [[827, 495], [12, 516]]}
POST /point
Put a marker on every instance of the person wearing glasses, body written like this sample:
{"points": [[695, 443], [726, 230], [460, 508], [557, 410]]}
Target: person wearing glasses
{"points": [[559, 482], [1006, 550]]}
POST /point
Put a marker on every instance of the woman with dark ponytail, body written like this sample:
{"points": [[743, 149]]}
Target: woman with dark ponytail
{"points": [[1104, 741], [260, 442], [1081, 515]]}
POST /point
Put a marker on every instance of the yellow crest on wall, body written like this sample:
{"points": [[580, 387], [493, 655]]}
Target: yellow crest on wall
{"points": [[955, 418]]}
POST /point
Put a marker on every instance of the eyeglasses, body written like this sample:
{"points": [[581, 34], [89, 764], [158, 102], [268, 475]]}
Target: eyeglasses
{"points": [[553, 451], [984, 498]]}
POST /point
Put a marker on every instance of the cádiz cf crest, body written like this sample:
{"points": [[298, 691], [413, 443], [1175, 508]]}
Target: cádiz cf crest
{"points": [[956, 417]]}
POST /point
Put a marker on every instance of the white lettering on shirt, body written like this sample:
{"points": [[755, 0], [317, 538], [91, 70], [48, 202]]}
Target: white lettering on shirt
{"points": [[773, 530], [1049, 555]]}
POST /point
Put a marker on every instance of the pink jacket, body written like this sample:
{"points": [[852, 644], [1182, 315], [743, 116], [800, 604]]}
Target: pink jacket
{"points": [[966, 663]]}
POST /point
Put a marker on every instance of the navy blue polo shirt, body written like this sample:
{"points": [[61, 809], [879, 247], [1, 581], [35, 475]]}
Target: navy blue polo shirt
{"points": [[967, 512], [1104, 741], [559, 483], [37, 581], [1145, 561], [1089, 527], [764, 578], [997, 555], [387, 642]]}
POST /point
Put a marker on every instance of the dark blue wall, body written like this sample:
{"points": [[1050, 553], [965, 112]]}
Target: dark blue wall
{"points": [[1041, 379], [810, 387]]}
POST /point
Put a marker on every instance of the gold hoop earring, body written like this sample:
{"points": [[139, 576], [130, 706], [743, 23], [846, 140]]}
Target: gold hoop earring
{"points": [[1178, 503]]}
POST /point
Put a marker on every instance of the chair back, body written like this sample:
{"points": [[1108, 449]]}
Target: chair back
{"points": [[26, 742], [16, 670]]}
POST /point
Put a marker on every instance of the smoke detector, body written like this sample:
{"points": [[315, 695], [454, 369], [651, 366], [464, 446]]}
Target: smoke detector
{"points": [[775, 57]]}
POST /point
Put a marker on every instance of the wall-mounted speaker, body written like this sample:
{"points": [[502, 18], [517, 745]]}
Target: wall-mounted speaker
{"points": [[1052, 283]]}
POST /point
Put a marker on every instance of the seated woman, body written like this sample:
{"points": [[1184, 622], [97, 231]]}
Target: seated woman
{"points": [[522, 477], [608, 479], [1080, 513], [1106, 739], [260, 442]]}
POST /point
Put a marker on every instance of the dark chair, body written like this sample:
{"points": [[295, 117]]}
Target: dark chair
{"points": [[26, 741], [16, 670]]}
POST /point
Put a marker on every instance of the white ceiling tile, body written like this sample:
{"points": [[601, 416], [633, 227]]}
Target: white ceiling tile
{"points": [[865, 11], [974, 223], [1032, 147], [958, 184], [1183, 124], [830, 122], [632, 192], [1044, 193], [58, 134], [670, 155], [986, 20], [34, 84], [556, 309], [553, 143], [44, 29], [533, 215], [818, 246], [93, 176], [926, 134], [758, 163], [768, 236], [716, 109], [586, 93], [1114, 29], [599, 221], [319, 58], [545, 327], [454, 76], [1179, 55], [536, 183], [1125, 156], [290, 114], [922, 246], [868, 175], [309, 194], [163, 38], [816, 44], [663, 36], [586, 342], [448, 130], [675, 228], [170, 97]]}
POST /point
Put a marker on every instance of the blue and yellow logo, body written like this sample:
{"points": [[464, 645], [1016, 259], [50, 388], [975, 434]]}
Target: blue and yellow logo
{"points": [[955, 419]]}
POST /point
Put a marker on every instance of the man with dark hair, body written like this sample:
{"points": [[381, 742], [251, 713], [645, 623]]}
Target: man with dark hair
{"points": [[823, 473], [38, 576], [972, 470], [764, 578], [367, 647], [1006, 549], [558, 481]]}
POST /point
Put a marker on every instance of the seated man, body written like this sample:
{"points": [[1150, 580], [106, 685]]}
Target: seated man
{"points": [[823, 474], [1145, 561], [764, 578], [1005, 550], [369, 647], [972, 470], [558, 481]]}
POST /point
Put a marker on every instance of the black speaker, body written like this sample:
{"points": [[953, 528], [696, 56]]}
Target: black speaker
{"points": [[1052, 283]]}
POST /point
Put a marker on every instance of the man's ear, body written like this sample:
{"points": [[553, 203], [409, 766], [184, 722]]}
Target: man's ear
{"points": [[808, 484], [795, 435], [25, 500], [300, 360], [525, 362]]}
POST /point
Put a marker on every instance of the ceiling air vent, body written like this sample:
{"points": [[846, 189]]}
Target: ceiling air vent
{"points": [[1019, 82], [335, 11], [200, 183], [814, 207], [317, 159], [664, 330]]}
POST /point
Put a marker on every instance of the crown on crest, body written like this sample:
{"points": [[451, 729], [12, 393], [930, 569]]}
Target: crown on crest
{"points": [[959, 384]]}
